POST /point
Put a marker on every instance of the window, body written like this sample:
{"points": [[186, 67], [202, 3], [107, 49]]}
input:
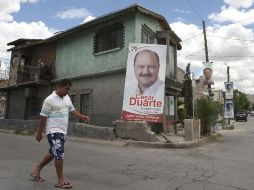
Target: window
{"points": [[85, 104], [147, 35], [33, 106], [72, 97], [109, 38], [145, 38], [171, 68]]}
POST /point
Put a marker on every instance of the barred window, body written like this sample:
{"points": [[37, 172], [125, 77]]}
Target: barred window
{"points": [[147, 35], [33, 106], [109, 38], [72, 97], [85, 104]]}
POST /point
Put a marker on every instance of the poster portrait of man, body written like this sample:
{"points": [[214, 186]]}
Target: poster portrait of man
{"points": [[208, 73], [229, 109], [229, 90], [145, 83]]}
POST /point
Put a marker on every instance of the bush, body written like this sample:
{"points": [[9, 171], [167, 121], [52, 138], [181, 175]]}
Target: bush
{"points": [[207, 111]]}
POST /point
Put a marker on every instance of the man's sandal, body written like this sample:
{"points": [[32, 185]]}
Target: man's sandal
{"points": [[36, 178], [65, 185]]}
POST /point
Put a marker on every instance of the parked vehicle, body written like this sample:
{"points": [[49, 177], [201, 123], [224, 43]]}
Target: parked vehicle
{"points": [[241, 116], [252, 113]]}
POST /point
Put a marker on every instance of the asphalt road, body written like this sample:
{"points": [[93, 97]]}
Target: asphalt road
{"points": [[226, 164]]}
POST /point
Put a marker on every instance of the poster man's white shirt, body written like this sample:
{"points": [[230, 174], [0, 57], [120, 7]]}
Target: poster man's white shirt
{"points": [[152, 95]]}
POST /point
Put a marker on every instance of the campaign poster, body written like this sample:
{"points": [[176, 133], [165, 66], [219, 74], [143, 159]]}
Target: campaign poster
{"points": [[228, 109], [229, 90], [145, 83], [208, 73]]}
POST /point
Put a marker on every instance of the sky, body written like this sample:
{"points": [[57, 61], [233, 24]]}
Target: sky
{"points": [[229, 27]]}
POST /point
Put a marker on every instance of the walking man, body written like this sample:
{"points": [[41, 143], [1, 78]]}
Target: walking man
{"points": [[54, 115]]}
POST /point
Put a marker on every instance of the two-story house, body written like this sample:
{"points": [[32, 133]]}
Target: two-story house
{"points": [[93, 56], [29, 81]]}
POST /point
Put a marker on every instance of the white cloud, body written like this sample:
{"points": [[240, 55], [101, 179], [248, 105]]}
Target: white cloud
{"points": [[228, 45], [181, 11], [73, 13], [11, 6], [29, 1], [240, 3], [89, 18], [12, 30], [223, 51], [233, 15]]}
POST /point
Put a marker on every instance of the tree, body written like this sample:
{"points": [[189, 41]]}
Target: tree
{"points": [[180, 110], [241, 101], [207, 112]]}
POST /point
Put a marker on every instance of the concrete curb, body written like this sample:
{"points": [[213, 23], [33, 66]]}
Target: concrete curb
{"points": [[176, 145], [7, 131], [130, 143], [115, 143]]}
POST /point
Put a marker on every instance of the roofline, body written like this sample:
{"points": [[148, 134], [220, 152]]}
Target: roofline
{"points": [[103, 18], [22, 39], [98, 20]]}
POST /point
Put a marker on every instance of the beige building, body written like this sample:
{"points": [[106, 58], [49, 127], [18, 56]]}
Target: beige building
{"points": [[180, 74], [200, 91]]}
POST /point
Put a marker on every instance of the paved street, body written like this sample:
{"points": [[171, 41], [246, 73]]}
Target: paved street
{"points": [[222, 165]]}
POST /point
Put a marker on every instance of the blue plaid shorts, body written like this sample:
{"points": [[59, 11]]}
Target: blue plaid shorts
{"points": [[56, 142]]}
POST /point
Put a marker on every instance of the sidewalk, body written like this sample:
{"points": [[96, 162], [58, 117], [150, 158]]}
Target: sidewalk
{"points": [[177, 141]]}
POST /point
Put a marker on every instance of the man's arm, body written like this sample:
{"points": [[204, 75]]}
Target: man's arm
{"points": [[42, 124], [75, 113]]}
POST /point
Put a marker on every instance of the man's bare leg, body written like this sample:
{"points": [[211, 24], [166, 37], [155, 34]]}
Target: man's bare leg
{"points": [[59, 171], [37, 169]]}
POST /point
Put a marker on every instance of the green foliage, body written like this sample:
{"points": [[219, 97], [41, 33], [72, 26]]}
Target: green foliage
{"points": [[222, 121], [241, 101], [215, 137], [181, 114], [207, 111]]}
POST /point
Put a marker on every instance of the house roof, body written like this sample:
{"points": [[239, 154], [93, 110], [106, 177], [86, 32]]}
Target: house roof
{"points": [[107, 17], [110, 16], [23, 41]]}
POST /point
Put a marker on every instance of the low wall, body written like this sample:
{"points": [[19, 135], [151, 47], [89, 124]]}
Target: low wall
{"points": [[74, 129]]}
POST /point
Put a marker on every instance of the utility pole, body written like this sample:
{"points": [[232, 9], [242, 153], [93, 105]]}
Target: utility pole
{"points": [[206, 55], [228, 81], [206, 48], [210, 94], [228, 73]]}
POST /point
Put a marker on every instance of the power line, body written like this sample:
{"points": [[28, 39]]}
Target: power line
{"points": [[228, 38], [191, 37], [226, 56], [194, 9], [243, 19]]}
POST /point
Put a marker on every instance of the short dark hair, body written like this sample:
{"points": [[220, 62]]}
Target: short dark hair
{"points": [[148, 51], [64, 82], [208, 69]]}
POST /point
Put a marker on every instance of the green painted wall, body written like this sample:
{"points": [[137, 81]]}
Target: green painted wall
{"points": [[152, 23], [74, 54]]}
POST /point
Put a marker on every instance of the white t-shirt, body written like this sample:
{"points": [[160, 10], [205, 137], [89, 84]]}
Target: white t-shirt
{"points": [[57, 109]]}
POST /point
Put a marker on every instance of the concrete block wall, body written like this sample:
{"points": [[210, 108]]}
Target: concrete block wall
{"points": [[74, 129]]}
